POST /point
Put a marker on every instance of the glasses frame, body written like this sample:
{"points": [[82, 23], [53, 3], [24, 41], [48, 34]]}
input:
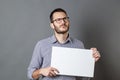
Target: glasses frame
{"points": [[59, 20]]}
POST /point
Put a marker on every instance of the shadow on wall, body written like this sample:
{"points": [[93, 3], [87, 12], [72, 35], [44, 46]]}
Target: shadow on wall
{"points": [[94, 36], [100, 28]]}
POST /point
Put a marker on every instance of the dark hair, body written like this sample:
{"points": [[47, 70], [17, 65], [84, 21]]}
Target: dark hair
{"points": [[56, 10]]}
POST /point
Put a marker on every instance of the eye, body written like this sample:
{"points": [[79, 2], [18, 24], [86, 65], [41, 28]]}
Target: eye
{"points": [[59, 19], [66, 18]]}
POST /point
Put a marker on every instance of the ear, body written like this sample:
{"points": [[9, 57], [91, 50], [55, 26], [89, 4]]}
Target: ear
{"points": [[51, 25]]}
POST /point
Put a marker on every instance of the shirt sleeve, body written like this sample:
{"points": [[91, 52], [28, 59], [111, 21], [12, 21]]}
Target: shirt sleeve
{"points": [[36, 61]]}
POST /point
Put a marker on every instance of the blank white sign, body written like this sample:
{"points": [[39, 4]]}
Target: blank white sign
{"points": [[73, 61]]}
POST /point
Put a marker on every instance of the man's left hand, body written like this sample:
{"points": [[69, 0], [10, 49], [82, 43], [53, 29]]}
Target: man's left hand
{"points": [[96, 54]]}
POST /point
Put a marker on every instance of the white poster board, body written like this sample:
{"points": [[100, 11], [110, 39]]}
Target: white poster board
{"points": [[73, 61]]}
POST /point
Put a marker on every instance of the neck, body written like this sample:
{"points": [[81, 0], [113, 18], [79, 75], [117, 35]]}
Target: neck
{"points": [[61, 37]]}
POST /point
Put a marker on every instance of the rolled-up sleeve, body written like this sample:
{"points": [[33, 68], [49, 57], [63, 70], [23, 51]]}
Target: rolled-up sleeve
{"points": [[36, 61]]}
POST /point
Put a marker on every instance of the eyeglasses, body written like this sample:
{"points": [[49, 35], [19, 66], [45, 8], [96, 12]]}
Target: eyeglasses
{"points": [[59, 20]]}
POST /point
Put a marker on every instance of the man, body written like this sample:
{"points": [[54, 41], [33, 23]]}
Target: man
{"points": [[41, 59]]}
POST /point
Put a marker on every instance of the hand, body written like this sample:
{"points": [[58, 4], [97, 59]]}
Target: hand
{"points": [[96, 54], [49, 71]]}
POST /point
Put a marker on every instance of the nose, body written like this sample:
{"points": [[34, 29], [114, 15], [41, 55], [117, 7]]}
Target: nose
{"points": [[63, 21]]}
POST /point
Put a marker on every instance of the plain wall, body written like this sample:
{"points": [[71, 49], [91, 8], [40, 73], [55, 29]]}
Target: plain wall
{"points": [[24, 22]]}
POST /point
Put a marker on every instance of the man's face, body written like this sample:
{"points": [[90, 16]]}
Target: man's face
{"points": [[60, 22]]}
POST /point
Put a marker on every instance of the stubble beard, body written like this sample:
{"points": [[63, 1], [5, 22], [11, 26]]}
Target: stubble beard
{"points": [[58, 31]]}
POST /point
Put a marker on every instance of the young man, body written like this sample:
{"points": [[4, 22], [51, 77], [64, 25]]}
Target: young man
{"points": [[41, 59]]}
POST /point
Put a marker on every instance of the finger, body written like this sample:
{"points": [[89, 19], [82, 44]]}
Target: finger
{"points": [[50, 75], [55, 70], [96, 54], [94, 49], [96, 59], [53, 73]]}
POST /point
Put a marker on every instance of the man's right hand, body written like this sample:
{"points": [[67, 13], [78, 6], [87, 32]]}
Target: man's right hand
{"points": [[49, 71]]}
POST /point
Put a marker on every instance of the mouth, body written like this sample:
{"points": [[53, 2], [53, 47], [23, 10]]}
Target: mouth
{"points": [[63, 26]]}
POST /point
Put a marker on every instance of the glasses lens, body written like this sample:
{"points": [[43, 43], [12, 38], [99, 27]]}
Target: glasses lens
{"points": [[59, 20]]}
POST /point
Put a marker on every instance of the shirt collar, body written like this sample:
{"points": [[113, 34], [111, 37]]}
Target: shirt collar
{"points": [[54, 40]]}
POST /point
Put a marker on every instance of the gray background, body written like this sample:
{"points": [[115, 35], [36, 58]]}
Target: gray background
{"points": [[24, 22]]}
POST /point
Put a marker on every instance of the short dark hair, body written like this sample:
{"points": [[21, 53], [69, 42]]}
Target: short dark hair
{"points": [[56, 10]]}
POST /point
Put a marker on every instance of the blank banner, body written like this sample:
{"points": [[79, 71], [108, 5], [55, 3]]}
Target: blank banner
{"points": [[73, 61]]}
